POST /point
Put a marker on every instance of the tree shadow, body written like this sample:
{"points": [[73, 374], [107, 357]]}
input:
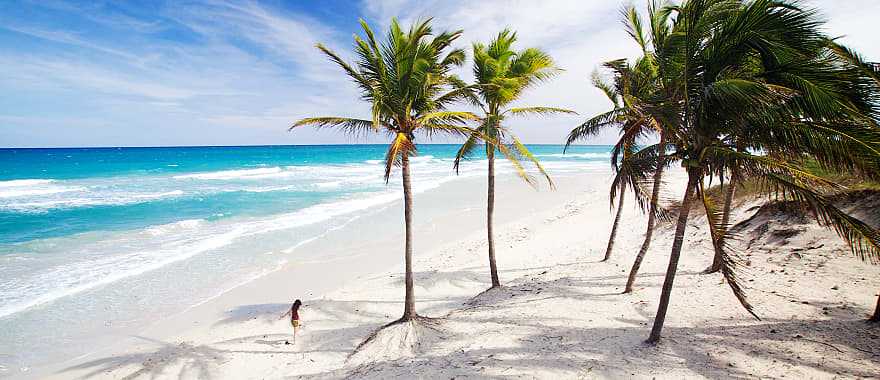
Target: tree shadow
{"points": [[833, 346], [620, 352], [194, 361]]}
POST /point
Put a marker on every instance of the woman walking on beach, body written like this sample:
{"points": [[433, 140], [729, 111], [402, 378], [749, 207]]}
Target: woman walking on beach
{"points": [[294, 317]]}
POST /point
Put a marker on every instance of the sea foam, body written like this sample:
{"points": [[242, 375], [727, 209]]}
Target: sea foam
{"points": [[232, 174]]}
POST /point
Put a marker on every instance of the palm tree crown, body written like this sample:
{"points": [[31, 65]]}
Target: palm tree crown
{"points": [[408, 82], [502, 74], [758, 89]]}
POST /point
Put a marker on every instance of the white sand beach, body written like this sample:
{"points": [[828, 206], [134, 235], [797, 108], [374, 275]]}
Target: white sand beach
{"points": [[416, 189], [560, 314]]}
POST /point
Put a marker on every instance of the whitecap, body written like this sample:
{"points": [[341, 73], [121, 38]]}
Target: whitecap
{"points": [[232, 174], [577, 155], [18, 191], [40, 206], [158, 195], [331, 184], [25, 182], [176, 242], [188, 224]]}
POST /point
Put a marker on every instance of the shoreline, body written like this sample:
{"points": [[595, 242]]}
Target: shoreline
{"points": [[324, 256], [560, 313]]}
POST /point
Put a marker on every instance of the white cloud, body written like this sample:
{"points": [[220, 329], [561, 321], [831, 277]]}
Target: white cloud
{"points": [[250, 69], [581, 35], [292, 37], [218, 89]]}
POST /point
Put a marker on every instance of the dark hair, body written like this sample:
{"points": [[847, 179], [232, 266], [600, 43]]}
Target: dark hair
{"points": [[296, 304]]}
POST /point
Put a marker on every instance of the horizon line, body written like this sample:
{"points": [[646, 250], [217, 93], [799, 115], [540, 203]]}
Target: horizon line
{"points": [[246, 146]]}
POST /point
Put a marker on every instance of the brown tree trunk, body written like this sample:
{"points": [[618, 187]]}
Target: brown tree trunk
{"points": [[725, 218], [614, 227], [681, 225], [490, 209], [876, 317], [649, 233], [409, 310]]}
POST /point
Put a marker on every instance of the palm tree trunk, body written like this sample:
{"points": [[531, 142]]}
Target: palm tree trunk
{"points": [[649, 233], [614, 227], [409, 310], [876, 316], [693, 177], [490, 209], [725, 218]]}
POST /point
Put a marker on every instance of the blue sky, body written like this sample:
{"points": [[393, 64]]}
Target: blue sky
{"points": [[236, 73]]}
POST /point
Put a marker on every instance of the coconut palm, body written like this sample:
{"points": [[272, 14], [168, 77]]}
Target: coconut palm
{"points": [[760, 71], [408, 84], [502, 74], [638, 99], [658, 16], [663, 112], [625, 116]]}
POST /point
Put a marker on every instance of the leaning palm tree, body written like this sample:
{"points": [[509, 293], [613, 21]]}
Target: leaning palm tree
{"points": [[641, 104], [408, 83], [663, 114], [759, 71], [632, 92], [502, 74]]}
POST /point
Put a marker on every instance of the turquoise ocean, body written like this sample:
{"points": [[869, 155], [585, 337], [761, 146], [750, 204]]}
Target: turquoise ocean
{"points": [[101, 235]]}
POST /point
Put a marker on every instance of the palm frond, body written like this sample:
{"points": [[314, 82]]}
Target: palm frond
{"points": [[592, 127], [731, 263], [466, 151], [635, 170], [789, 182], [513, 158], [607, 88], [863, 240], [432, 129], [524, 152], [633, 25], [447, 117], [400, 147], [539, 111], [349, 126]]}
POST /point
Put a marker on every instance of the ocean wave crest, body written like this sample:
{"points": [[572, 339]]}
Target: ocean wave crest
{"points": [[232, 174], [577, 155], [25, 182]]}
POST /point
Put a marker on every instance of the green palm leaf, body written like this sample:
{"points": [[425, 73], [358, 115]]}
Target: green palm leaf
{"points": [[539, 111]]}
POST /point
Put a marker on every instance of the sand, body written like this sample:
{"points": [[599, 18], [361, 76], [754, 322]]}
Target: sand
{"points": [[560, 314]]}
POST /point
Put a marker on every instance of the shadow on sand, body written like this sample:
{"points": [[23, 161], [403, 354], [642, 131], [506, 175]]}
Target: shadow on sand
{"points": [[549, 345]]}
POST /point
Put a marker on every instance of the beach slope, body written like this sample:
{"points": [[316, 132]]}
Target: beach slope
{"points": [[560, 315]]}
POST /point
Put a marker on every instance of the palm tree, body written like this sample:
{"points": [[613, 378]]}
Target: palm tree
{"points": [[502, 74], [635, 94], [408, 83], [626, 116], [658, 16], [760, 71]]}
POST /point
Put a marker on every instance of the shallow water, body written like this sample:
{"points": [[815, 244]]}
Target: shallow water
{"points": [[116, 237]]}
